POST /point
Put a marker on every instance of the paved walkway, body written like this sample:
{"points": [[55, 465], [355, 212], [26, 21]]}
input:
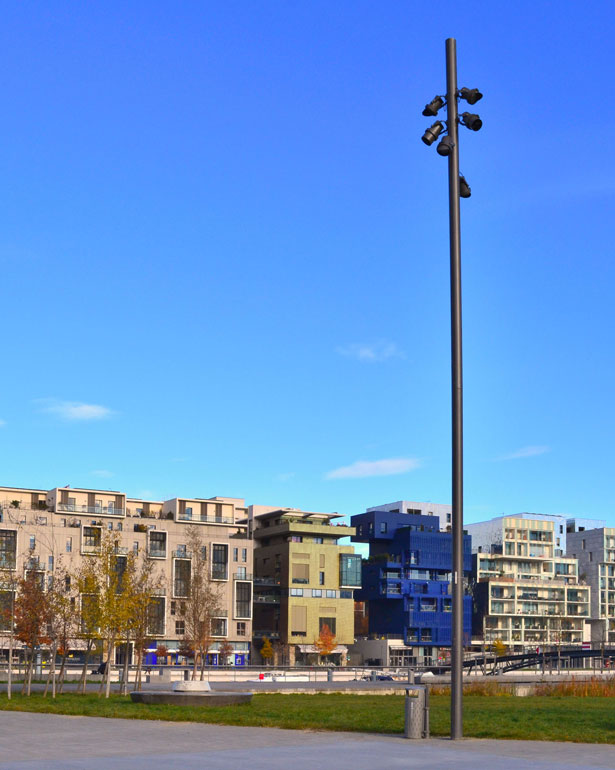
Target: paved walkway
{"points": [[50, 742]]}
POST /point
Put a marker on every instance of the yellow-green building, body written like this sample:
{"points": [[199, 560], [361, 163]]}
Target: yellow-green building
{"points": [[303, 580]]}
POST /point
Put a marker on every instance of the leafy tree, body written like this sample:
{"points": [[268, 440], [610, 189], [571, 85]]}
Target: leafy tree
{"points": [[325, 643], [266, 650], [63, 622], [499, 648], [32, 617]]}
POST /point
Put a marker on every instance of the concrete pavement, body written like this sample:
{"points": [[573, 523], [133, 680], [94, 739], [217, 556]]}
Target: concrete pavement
{"points": [[87, 743]]}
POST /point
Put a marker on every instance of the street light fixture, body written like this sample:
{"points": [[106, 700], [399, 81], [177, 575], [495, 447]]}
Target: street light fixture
{"points": [[472, 121], [457, 188], [471, 95], [433, 132], [434, 105]]}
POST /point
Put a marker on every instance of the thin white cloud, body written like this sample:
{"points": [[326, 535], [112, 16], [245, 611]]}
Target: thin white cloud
{"points": [[2, 423], [285, 476], [363, 469], [526, 451], [372, 352], [102, 474], [75, 411]]}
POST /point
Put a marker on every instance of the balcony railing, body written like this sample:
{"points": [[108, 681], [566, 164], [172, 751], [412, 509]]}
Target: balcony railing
{"points": [[260, 599], [158, 553], [206, 519], [95, 509], [181, 554], [266, 581], [7, 562], [242, 576]]}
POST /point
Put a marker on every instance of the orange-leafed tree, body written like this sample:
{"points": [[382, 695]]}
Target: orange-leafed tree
{"points": [[325, 643], [32, 616], [266, 650]]}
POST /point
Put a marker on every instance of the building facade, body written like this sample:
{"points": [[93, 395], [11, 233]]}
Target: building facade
{"points": [[303, 580], [594, 547], [407, 581], [41, 529], [524, 594]]}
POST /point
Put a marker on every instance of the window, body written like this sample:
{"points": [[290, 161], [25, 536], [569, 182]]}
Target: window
{"points": [[219, 558], [41, 520], [241, 629], [321, 578], [188, 513], [155, 616], [296, 591], [218, 627], [346, 594], [318, 540], [62, 521], [110, 525], [50, 563], [448, 518], [295, 539], [181, 584], [32, 542], [67, 583], [241, 572], [69, 545], [173, 607], [383, 527], [317, 593], [119, 526], [180, 627], [91, 539], [244, 554], [135, 546], [157, 544], [330, 594], [330, 622], [350, 569], [243, 600], [583, 544], [235, 554], [181, 550]]}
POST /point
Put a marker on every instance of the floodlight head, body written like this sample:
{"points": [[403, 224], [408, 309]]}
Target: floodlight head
{"points": [[464, 188], [471, 121], [433, 132], [434, 105], [471, 95], [446, 146]]}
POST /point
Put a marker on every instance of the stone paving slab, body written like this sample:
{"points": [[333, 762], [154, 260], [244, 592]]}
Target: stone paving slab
{"points": [[55, 742]]}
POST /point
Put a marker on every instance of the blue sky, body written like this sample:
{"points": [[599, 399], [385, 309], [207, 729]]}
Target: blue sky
{"points": [[224, 253]]}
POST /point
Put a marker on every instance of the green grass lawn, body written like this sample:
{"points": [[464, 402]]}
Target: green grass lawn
{"points": [[590, 720]]}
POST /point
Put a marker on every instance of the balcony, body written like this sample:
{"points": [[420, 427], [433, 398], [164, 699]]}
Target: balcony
{"points": [[266, 581], [120, 550], [158, 553], [266, 599], [203, 519], [91, 509], [268, 634], [242, 576]]}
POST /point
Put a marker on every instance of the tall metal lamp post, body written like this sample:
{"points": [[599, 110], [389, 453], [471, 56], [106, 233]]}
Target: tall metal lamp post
{"points": [[448, 146]]}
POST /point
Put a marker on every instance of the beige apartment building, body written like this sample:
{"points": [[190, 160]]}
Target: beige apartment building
{"points": [[526, 593], [40, 529], [303, 580]]}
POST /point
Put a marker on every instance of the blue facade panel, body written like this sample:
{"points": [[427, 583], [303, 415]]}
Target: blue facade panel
{"points": [[407, 579]]}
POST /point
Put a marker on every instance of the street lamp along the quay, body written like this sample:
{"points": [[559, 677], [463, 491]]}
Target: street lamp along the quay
{"points": [[458, 187]]}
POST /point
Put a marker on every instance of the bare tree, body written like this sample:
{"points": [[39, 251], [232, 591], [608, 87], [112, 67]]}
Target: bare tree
{"points": [[202, 605]]}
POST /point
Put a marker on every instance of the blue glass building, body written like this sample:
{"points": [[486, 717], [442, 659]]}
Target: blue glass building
{"points": [[407, 579]]}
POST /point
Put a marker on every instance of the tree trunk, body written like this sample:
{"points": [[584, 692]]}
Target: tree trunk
{"points": [[9, 679], [84, 673], [30, 669], [125, 671], [48, 682], [108, 671], [139, 668], [53, 669], [62, 672]]}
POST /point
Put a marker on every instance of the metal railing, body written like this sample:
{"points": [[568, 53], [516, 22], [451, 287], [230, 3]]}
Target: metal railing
{"points": [[204, 518], [99, 511]]}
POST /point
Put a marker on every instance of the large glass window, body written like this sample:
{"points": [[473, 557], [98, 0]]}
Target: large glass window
{"points": [[157, 544], [181, 585], [243, 600], [330, 622], [350, 569], [8, 548], [155, 616], [219, 559], [91, 539], [218, 627]]}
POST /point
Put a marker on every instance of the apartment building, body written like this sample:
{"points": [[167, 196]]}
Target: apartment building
{"points": [[303, 580], [407, 583], [525, 593], [593, 545], [40, 529]]}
